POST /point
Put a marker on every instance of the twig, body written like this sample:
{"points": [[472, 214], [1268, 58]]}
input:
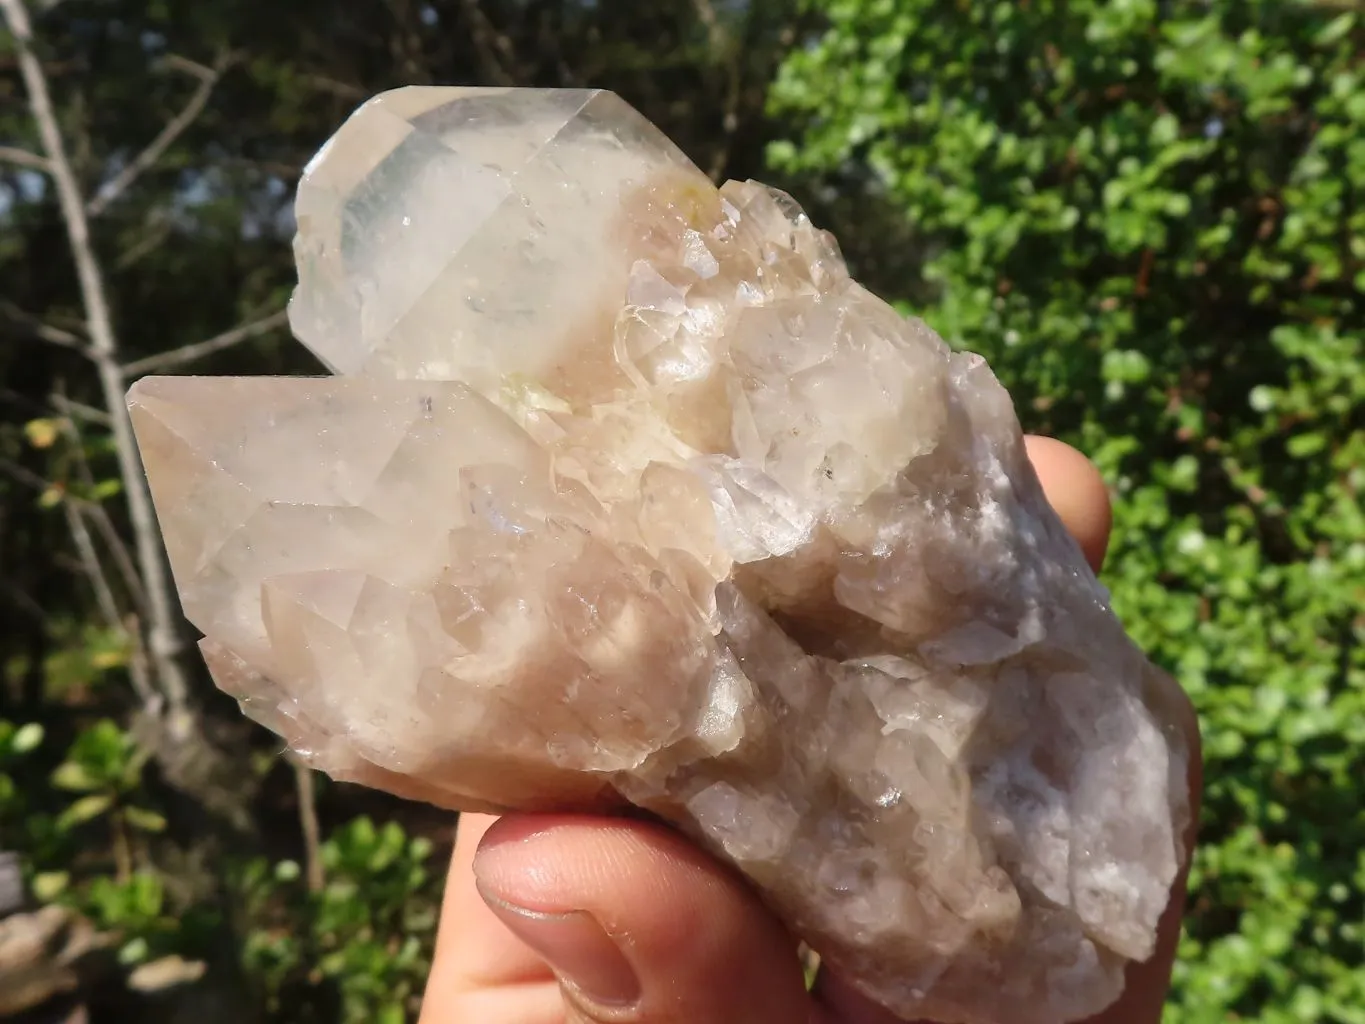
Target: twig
{"points": [[25, 602], [24, 475], [43, 486], [23, 158], [345, 90], [189, 353], [722, 46], [99, 515], [104, 598], [90, 562], [488, 39], [707, 14], [208, 78], [164, 644], [75, 510], [192, 67], [80, 411], [158, 230], [306, 788], [56, 336], [118, 550], [24, 402], [44, 331]]}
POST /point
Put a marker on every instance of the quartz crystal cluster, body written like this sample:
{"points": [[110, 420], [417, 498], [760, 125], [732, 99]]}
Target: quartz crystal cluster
{"points": [[623, 490]]}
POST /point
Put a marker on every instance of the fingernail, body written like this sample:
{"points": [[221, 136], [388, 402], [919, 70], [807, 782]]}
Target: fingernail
{"points": [[576, 947]]}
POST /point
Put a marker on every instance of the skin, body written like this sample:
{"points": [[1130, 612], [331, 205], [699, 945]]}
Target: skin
{"points": [[581, 920]]}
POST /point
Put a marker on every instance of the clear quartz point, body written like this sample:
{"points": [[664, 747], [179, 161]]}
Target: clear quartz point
{"points": [[625, 492]]}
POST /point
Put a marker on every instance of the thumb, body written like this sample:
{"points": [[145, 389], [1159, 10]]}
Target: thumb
{"points": [[639, 927]]}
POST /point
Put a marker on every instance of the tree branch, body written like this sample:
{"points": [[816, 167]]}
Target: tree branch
{"points": [[723, 47], [50, 333], [25, 475], [74, 410], [23, 158], [707, 14], [76, 509], [336, 87], [189, 353], [208, 78], [118, 550], [306, 789], [164, 645], [104, 598], [158, 229], [495, 50]]}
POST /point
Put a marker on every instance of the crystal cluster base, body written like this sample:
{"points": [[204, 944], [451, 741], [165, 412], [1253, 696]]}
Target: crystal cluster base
{"points": [[625, 491]]}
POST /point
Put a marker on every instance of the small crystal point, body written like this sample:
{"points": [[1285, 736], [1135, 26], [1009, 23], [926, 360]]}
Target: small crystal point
{"points": [[628, 492]]}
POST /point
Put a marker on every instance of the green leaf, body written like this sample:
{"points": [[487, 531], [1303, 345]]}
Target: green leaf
{"points": [[74, 778], [83, 810], [48, 885], [42, 433], [145, 820], [27, 738], [1303, 445], [106, 489], [134, 951], [1336, 29]]}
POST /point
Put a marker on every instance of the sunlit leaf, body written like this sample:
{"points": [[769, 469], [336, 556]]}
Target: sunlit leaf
{"points": [[85, 809]]}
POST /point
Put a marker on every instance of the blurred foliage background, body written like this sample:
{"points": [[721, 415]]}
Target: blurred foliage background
{"points": [[1148, 214]]}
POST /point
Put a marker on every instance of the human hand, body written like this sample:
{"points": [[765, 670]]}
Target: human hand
{"points": [[579, 920]]}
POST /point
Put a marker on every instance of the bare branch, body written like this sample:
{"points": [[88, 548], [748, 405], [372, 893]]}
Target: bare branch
{"points": [[707, 14], [104, 597], [25, 475], [208, 78], [99, 515], [76, 511], [57, 336], [24, 601], [164, 644], [50, 333], [189, 353], [723, 46], [306, 789], [192, 67], [96, 512], [23, 158], [25, 403], [158, 230], [90, 562], [336, 87], [496, 52], [74, 410]]}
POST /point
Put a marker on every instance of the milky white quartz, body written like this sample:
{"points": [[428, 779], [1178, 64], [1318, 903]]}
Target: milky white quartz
{"points": [[624, 489]]}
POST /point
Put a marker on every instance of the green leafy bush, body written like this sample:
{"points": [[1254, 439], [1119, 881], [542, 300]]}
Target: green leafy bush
{"points": [[1149, 216], [367, 931], [103, 770], [16, 743], [355, 951]]}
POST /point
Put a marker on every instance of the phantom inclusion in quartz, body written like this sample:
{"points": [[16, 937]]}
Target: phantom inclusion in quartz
{"points": [[624, 491]]}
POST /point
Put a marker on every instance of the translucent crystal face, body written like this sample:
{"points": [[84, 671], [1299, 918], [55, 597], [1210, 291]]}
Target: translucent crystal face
{"points": [[628, 492], [456, 234]]}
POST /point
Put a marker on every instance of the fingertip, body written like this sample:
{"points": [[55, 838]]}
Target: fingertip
{"points": [[696, 940], [1076, 492]]}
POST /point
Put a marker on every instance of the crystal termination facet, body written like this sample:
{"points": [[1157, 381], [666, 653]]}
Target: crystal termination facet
{"points": [[625, 491]]}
